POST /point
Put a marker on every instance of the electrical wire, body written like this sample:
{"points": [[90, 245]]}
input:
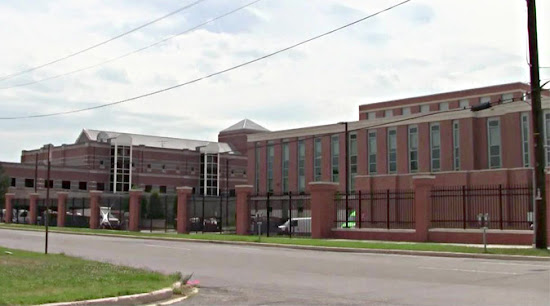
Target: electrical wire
{"points": [[135, 51], [9, 76], [206, 76]]}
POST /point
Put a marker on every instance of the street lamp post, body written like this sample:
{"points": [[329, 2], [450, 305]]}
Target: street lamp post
{"points": [[346, 171]]}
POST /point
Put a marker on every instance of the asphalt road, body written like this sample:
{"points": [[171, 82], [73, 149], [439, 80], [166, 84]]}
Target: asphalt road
{"points": [[249, 275]]}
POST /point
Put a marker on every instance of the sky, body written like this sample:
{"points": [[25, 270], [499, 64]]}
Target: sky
{"points": [[423, 47]]}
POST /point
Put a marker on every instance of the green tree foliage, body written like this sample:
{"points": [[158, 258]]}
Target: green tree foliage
{"points": [[4, 185], [156, 208]]}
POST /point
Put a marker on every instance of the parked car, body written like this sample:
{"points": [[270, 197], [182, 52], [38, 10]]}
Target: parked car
{"points": [[300, 226]]}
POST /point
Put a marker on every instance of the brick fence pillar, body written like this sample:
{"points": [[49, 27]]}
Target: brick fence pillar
{"points": [[135, 209], [422, 205], [9, 208], [182, 218], [33, 208], [94, 208], [243, 208], [322, 208], [61, 208]]}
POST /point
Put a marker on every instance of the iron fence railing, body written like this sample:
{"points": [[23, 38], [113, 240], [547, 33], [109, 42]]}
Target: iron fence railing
{"points": [[389, 209], [286, 214], [508, 207]]}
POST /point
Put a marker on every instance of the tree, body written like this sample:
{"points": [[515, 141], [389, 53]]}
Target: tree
{"points": [[4, 185]]}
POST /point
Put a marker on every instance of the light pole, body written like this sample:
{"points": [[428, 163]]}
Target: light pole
{"points": [[346, 169]]}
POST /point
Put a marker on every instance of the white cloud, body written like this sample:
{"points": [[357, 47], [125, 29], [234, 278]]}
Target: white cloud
{"points": [[423, 47]]}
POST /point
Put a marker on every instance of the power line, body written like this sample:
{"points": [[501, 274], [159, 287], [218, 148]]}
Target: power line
{"points": [[207, 76], [9, 76], [135, 51]]}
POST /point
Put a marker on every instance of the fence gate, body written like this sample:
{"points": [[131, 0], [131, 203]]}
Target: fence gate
{"points": [[280, 215], [158, 212], [211, 213]]}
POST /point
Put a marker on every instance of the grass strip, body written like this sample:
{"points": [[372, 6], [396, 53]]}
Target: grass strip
{"points": [[383, 245], [35, 278]]}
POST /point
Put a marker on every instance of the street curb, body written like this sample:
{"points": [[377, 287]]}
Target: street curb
{"points": [[140, 298], [312, 248]]}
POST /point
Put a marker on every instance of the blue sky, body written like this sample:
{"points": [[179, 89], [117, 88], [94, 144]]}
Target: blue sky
{"points": [[423, 47]]}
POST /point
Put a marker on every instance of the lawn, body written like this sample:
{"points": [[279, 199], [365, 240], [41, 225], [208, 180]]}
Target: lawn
{"points": [[35, 278], [434, 247]]}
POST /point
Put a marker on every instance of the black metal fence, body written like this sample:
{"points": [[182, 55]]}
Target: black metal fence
{"points": [[509, 207], [389, 209], [211, 213], [158, 212], [280, 214]]}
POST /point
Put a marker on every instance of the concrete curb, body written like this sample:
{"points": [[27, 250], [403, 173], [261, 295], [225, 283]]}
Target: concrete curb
{"points": [[140, 298], [312, 248]]}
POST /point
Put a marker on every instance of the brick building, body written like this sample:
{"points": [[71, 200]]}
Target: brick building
{"points": [[395, 140], [115, 161]]}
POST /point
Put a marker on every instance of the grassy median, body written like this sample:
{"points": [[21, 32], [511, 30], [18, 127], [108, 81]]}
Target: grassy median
{"points": [[434, 247], [35, 278]]}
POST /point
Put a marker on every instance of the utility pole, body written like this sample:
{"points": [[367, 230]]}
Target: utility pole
{"points": [[346, 170], [538, 128], [35, 172], [47, 216]]}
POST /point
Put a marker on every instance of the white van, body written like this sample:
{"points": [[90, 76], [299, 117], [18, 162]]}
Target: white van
{"points": [[299, 226]]}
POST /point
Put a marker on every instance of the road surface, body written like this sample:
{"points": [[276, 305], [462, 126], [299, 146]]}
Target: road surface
{"points": [[250, 275]]}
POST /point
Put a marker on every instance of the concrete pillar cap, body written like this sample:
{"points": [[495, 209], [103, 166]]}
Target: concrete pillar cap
{"points": [[9, 194], [34, 194], [96, 192], [184, 188]]}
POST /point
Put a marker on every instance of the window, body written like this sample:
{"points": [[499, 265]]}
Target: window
{"points": [[413, 148], [484, 100], [301, 166], [493, 136], [525, 139], [406, 111], [335, 156], [352, 155], [317, 159], [371, 115], [13, 182], [284, 162], [257, 168], [121, 160], [464, 104], [507, 98], [372, 152], [66, 184], [388, 113], [392, 150], [435, 147], [148, 188], [444, 106], [100, 186], [424, 108], [209, 174], [51, 183], [29, 183], [82, 185], [270, 155], [456, 145], [162, 189]]}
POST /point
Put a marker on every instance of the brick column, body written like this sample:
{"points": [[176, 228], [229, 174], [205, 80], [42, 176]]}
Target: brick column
{"points": [[135, 209], [61, 208], [9, 208], [94, 208], [422, 204], [243, 208], [182, 219], [33, 208], [322, 208]]}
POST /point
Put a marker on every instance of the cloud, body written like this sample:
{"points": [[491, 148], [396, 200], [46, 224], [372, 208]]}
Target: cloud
{"points": [[423, 47]]}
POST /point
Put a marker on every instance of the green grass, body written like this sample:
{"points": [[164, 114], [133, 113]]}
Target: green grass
{"points": [[35, 278], [434, 247]]}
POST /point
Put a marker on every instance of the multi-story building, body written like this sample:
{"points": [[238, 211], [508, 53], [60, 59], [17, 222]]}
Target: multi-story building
{"points": [[395, 140], [115, 162]]}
